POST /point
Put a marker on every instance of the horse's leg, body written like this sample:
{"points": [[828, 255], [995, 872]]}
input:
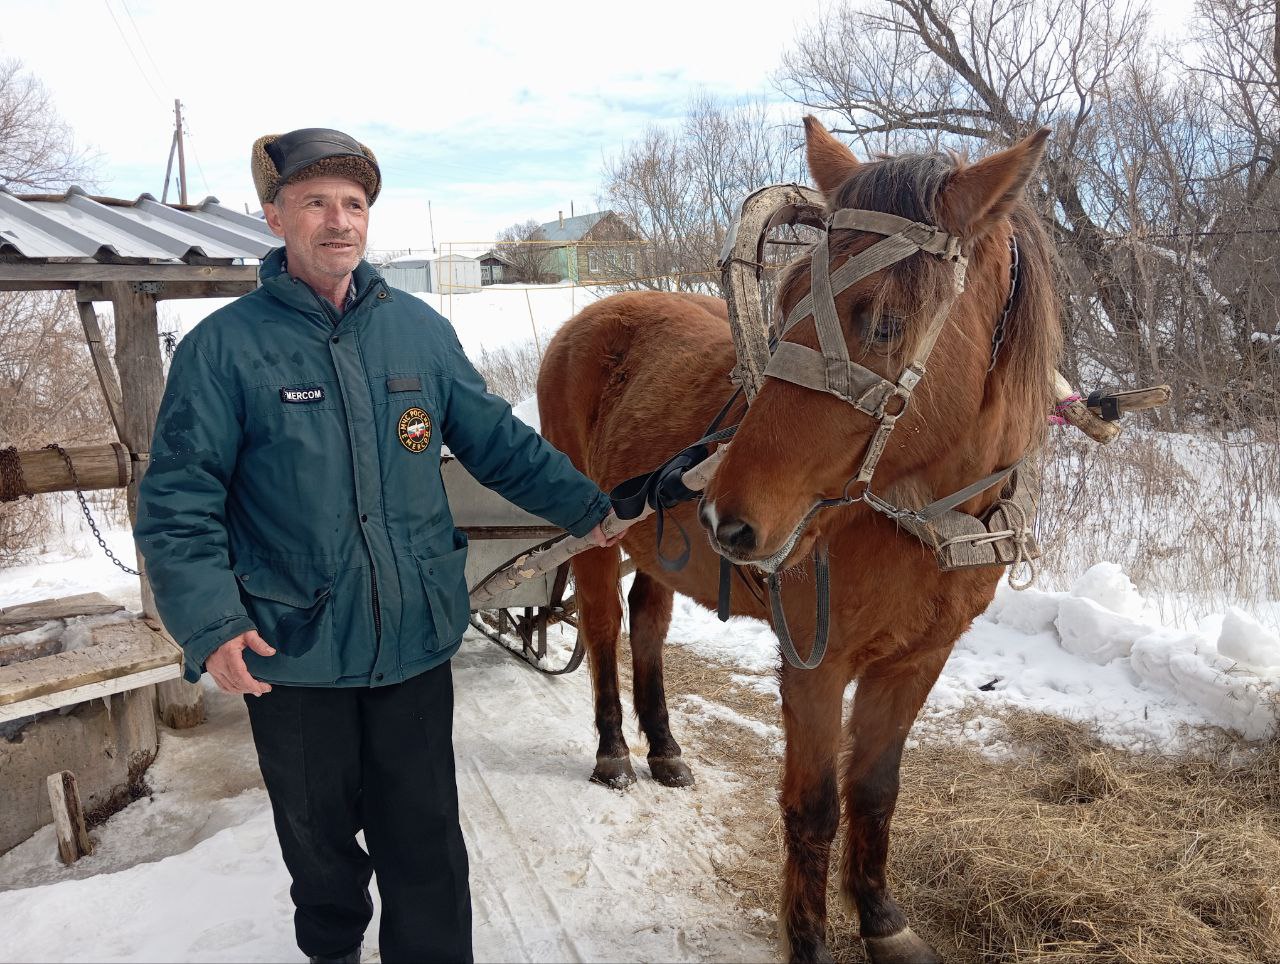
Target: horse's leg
{"points": [[884, 707], [650, 604], [595, 579], [811, 705]]}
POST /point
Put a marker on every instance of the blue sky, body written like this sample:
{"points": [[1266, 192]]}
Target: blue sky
{"points": [[493, 112]]}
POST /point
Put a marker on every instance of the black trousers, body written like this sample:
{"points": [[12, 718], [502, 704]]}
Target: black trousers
{"points": [[338, 760]]}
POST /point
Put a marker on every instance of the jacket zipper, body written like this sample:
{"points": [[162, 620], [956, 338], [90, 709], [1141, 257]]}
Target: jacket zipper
{"points": [[373, 570]]}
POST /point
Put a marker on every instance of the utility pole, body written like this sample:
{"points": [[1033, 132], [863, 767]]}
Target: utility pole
{"points": [[431, 227], [182, 160]]}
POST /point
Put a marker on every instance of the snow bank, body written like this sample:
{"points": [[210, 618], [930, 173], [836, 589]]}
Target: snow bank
{"points": [[1098, 646]]}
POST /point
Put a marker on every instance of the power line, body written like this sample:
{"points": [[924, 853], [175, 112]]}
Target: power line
{"points": [[145, 49], [129, 47], [196, 153]]}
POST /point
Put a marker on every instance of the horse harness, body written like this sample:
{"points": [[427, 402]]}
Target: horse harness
{"points": [[1003, 536]]}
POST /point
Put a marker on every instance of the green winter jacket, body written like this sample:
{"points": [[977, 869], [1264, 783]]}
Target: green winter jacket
{"points": [[294, 484]]}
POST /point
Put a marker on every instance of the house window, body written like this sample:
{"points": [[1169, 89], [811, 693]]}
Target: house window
{"points": [[593, 261]]}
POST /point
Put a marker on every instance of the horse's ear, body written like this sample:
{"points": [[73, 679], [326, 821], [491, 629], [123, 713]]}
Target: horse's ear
{"points": [[830, 161], [983, 193]]}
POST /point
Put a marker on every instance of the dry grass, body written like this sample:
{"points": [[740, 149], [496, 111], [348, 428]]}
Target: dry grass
{"points": [[1068, 851]]}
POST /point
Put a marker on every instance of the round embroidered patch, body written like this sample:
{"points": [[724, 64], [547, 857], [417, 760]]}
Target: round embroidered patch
{"points": [[415, 429]]}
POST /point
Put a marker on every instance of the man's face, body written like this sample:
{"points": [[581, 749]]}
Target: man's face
{"points": [[324, 222]]}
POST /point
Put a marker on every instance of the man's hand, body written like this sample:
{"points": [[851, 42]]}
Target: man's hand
{"points": [[227, 668], [597, 536]]}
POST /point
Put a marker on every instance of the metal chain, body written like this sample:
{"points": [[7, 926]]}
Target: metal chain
{"points": [[84, 506], [997, 339], [12, 484]]}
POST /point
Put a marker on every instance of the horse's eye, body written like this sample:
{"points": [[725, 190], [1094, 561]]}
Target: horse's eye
{"points": [[883, 329]]}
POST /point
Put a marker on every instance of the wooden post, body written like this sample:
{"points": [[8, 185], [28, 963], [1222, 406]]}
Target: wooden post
{"points": [[68, 817], [141, 370]]}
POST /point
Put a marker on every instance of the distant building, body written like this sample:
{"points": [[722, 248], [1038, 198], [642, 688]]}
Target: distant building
{"points": [[493, 268], [454, 273], [590, 247]]}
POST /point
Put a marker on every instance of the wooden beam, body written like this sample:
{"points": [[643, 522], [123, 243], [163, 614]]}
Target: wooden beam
{"points": [[97, 467], [68, 817], [49, 273], [171, 290], [102, 364]]}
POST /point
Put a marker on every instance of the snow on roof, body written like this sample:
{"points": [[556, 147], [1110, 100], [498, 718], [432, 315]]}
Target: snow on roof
{"points": [[572, 229]]}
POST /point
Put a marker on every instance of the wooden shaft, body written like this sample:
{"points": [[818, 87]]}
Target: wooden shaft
{"points": [[1078, 414], [539, 563], [97, 467], [1138, 399]]}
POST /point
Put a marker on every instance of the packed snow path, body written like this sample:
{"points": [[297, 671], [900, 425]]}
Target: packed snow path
{"points": [[561, 869]]}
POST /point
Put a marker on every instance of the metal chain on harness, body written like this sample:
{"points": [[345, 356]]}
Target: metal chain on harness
{"points": [[84, 506], [997, 338]]}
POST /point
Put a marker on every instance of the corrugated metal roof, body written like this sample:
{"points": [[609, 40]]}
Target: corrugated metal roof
{"points": [[574, 229], [77, 227]]}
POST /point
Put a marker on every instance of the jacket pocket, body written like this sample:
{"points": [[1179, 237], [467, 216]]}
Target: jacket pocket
{"points": [[444, 579], [292, 612]]}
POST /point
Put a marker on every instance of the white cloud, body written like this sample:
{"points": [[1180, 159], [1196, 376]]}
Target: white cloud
{"points": [[496, 111]]}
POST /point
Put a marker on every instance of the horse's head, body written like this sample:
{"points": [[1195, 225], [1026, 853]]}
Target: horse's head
{"points": [[808, 434]]}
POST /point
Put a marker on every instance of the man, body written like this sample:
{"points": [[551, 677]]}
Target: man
{"points": [[296, 532]]}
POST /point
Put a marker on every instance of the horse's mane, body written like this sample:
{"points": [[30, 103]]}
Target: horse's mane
{"points": [[910, 186]]}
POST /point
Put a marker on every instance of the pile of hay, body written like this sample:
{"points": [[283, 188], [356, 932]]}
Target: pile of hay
{"points": [[1068, 851]]}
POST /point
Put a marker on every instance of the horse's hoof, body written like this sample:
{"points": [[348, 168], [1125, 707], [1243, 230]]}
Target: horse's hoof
{"points": [[614, 772], [904, 947], [671, 771]]}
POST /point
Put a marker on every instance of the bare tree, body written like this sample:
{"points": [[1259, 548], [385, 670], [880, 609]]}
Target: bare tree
{"points": [[37, 149], [930, 73], [48, 389], [526, 251], [679, 188]]}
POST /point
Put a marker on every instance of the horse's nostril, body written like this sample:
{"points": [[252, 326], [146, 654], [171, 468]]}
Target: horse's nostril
{"points": [[737, 535]]}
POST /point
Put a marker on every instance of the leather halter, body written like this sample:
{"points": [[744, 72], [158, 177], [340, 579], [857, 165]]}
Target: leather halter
{"points": [[831, 370]]}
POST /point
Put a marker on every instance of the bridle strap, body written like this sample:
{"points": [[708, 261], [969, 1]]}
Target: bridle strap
{"points": [[830, 369]]}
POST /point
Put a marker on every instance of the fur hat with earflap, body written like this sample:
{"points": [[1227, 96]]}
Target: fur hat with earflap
{"points": [[280, 159]]}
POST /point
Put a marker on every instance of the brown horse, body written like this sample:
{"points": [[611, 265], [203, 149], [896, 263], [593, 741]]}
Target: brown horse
{"points": [[635, 378]]}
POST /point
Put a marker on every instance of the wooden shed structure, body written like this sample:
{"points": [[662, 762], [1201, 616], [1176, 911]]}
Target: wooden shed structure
{"points": [[131, 254]]}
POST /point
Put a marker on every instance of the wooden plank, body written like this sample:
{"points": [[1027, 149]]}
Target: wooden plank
{"points": [[68, 817], [49, 273], [102, 363], [90, 691], [83, 604], [119, 650]]}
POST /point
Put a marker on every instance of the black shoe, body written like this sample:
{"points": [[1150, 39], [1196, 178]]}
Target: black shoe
{"points": [[350, 957]]}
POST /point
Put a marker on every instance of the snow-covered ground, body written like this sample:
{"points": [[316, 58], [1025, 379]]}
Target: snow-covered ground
{"points": [[562, 869]]}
